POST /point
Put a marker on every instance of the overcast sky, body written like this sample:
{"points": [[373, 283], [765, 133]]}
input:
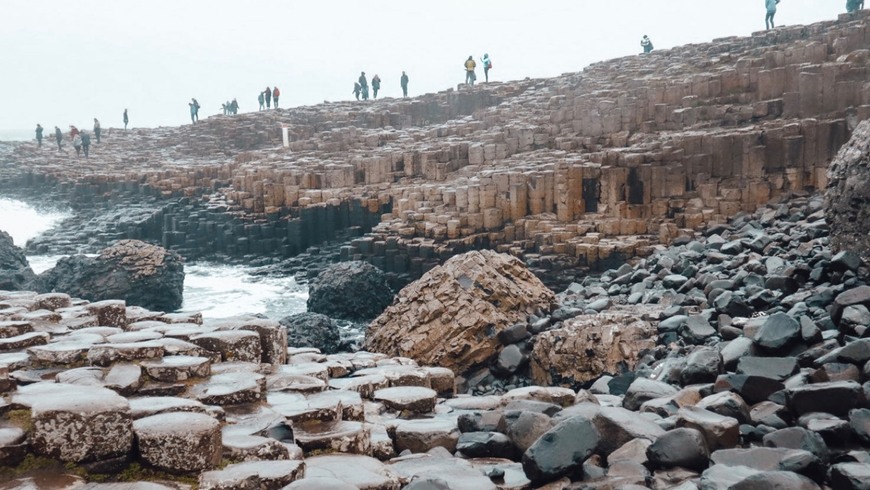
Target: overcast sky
{"points": [[66, 62]]}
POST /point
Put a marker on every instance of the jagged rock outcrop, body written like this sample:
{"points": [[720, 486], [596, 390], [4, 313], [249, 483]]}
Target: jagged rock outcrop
{"points": [[588, 346], [451, 316], [848, 195], [350, 291], [15, 272], [140, 273], [312, 330]]}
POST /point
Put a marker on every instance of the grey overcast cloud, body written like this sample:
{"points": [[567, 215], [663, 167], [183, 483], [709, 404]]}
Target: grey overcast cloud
{"points": [[67, 62]]}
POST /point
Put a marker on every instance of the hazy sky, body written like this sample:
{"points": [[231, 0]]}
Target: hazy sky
{"points": [[66, 62]]}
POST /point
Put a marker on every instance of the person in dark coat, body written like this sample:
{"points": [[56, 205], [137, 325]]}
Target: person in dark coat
{"points": [[268, 93], [234, 106], [86, 142], [194, 110], [39, 135], [376, 85], [364, 86], [404, 82], [58, 135], [126, 119], [357, 89], [97, 129]]}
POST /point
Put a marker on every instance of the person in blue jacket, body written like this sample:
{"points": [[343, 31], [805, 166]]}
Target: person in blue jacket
{"points": [[771, 11]]}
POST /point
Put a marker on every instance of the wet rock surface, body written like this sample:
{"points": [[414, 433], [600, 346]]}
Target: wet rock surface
{"points": [[312, 330], [848, 199], [350, 291], [139, 273], [15, 272]]}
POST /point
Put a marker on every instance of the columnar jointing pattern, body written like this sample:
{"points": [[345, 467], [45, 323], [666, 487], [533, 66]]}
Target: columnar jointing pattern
{"points": [[589, 167]]}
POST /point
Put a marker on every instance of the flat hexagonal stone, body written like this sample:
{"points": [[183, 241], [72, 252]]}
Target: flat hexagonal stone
{"points": [[13, 446], [337, 436], [298, 409], [253, 475], [359, 471], [60, 353], [112, 313], [232, 345], [414, 399], [14, 328], [130, 337], [456, 473], [313, 369], [465, 402], [141, 407], [231, 389], [548, 394], [24, 341], [419, 436], [179, 442], [52, 301], [106, 354], [398, 375], [294, 382], [241, 447], [321, 484], [442, 380], [177, 368], [124, 378], [15, 360], [77, 425], [366, 386]]}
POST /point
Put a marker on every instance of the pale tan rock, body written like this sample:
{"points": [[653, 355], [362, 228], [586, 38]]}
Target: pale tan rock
{"points": [[588, 346], [450, 316]]}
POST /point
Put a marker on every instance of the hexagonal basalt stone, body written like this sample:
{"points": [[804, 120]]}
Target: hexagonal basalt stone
{"points": [[233, 345], [179, 442], [412, 399], [253, 475], [178, 368], [338, 437], [81, 425]]}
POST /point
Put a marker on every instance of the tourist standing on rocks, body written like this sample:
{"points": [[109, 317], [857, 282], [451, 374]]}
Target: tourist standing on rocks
{"points": [[97, 129], [262, 100], [404, 82], [364, 86], [73, 132], [194, 110], [58, 135], [646, 44], [39, 135], [487, 65], [77, 144], [126, 119], [854, 5], [268, 93], [470, 76], [356, 89], [234, 106], [275, 94], [771, 11], [86, 142], [376, 85]]}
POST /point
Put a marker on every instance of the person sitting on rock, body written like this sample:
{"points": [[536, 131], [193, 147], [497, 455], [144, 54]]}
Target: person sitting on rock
{"points": [[86, 142], [262, 100], [376, 85], [357, 89], [646, 44], [39, 135], [275, 94], [470, 76], [97, 129], [771, 12], [58, 135]]}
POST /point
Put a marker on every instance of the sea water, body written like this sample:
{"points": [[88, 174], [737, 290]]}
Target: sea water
{"points": [[216, 290]]}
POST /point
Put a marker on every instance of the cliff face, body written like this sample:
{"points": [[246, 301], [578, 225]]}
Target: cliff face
{"points": [[848, 196], [591, 167]]}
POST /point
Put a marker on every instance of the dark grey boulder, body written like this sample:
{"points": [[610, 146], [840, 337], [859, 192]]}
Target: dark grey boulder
{"points": [[835, 397], [15, 271], [684, 447], [139, 273], [859, 420], [312, 330], [486, 445], [775, 480], [850, 476], [798, 438], [778, 332], [560, 450], [350, 291], [778, 368]]}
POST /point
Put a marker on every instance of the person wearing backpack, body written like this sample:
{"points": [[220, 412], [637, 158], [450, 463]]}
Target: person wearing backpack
{"points": [[194, 110], [646, 44], [470, 65], [487, 65], [275, 94], [771, 11]]}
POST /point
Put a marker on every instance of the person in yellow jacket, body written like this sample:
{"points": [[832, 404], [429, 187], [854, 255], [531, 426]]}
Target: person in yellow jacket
{"points": [[470, 76]]}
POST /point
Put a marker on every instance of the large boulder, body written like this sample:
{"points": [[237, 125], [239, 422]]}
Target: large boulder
{"points": [[15, 272], [312, 330], [452, 315], [139, 273], [350, 291], [848, 195], [588, 346]]}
